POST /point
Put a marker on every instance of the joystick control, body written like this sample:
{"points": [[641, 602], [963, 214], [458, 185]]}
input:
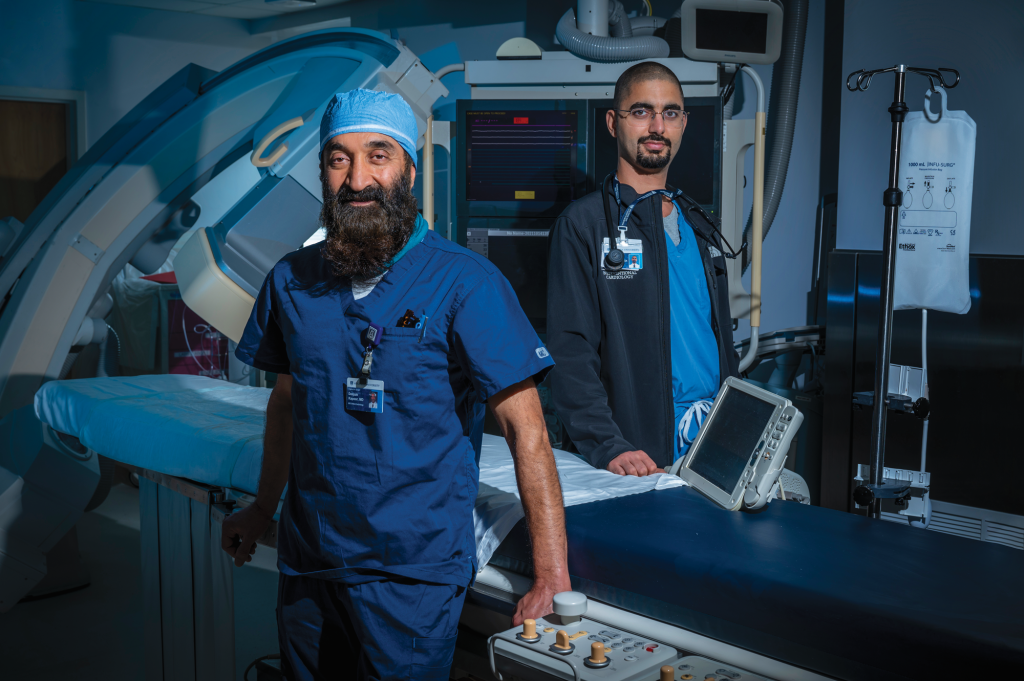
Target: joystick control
{"points": [[562, 646], [597, 659], [529, 633], [666, 673]]}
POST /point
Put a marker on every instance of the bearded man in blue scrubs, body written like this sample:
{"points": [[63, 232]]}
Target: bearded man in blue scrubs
{"points": [[376, 545], [641, 350]]}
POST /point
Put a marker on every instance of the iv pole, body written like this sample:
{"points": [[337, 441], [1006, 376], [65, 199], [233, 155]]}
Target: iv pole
{"points": [[870, 494]]}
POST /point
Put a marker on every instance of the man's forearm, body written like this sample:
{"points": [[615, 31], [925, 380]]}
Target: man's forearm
{"points": [[519, 413], [277, 449], [541, 495]]}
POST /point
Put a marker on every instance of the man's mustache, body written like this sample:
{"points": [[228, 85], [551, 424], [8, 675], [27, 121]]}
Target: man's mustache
{"points": [[374, 192], [655, 137]]}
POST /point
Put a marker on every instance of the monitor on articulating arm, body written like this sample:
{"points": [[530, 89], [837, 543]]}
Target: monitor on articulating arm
{"points": [[732, 31]]}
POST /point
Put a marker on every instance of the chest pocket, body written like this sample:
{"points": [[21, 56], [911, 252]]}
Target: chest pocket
{"points": [[413, 365]]}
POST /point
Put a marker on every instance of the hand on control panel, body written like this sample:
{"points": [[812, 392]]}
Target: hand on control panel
{"points": [[538, 601]]}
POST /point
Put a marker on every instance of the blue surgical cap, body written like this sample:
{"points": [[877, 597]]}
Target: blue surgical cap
{"points": [[370, 111]]}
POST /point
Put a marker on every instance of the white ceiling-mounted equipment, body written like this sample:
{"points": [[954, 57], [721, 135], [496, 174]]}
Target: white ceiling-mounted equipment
{"points": [[732, 31]]}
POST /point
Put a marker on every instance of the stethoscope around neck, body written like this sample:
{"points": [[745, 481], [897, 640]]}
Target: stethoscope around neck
{"points": [[616, 259]]}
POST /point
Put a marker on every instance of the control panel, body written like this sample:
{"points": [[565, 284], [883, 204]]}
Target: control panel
{"points": [[566, 645], [702, 669], [547, 649]]}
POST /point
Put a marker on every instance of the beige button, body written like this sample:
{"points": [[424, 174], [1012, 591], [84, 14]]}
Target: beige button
{"points": [[562, 640], [667, 673], [597, 653], [529, 629], [548, 630], [577, 635]]}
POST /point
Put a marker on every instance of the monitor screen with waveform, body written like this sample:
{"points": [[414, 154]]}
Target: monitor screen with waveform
{"points": [[521, 156]]}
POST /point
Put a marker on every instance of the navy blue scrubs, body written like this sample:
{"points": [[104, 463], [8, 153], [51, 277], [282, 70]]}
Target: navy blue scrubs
{"points": [[385, 497]]}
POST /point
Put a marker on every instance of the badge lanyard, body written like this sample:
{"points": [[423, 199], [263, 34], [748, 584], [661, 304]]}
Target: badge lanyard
{"points": [[362, 394], [373, 333], [624, 217]]}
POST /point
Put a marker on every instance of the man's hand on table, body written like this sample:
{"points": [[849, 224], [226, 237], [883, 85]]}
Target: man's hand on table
{"points": [[634, 463], [240, 531], [538, 601]]}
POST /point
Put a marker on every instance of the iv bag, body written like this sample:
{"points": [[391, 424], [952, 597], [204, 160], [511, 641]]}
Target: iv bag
{"points": [[936, 175]]}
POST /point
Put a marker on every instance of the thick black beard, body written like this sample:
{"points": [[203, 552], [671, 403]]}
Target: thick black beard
{"points": [[362, 240], [652, 161]]}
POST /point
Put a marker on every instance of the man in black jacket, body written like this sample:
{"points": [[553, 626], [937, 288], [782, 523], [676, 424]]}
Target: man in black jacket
{"points": [[638, 349]]}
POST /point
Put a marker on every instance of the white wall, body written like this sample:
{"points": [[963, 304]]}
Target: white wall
{"points": [[788, 252], [984, 40]]}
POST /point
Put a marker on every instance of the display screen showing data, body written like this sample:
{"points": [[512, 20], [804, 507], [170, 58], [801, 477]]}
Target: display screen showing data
{"points": [[730, 439], [521, 155], [727, 31]]}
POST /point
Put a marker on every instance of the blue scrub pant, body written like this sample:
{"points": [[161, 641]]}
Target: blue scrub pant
{"points": [[394, 629]]}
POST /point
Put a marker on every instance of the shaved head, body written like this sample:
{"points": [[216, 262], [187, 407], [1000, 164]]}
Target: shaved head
{"points": [[639, 73]]}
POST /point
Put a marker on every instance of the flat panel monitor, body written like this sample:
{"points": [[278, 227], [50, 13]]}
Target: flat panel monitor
{"points": [[519, 158], [730, 438], [741, 447], [696, 165]]}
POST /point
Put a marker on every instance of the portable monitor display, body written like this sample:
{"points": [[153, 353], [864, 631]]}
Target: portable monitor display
{"points": [[739, 453]]}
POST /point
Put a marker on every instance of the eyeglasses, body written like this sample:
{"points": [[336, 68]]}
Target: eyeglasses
{"points": [[640, 116]]}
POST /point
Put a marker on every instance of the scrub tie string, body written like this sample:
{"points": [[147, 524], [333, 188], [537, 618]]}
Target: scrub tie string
{"points": [[698, 410]]}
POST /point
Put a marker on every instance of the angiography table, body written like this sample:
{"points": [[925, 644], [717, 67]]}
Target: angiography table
{"points": [[793, 592]]}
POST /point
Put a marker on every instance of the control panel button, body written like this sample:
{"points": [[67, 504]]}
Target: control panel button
{"points": [[628, 649], [630, 658], [686, 677], [650, 647], [628, 639], [549, 630], [605, 632], [729, 673], [616, 645], [685, 667]]}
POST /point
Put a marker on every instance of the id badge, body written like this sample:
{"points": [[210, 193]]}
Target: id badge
{"points": [[368, 396], [633, 251]]}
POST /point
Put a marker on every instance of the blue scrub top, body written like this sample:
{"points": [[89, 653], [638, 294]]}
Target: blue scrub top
{"points": [[694, 346], [374, 496]]}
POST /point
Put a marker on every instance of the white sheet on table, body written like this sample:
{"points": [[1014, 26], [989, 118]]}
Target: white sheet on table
{"points": [[212, 432], [498, 507], [193, 427]]}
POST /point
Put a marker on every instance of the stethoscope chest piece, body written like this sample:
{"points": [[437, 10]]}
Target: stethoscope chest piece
{"points": [[614, 260]]}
